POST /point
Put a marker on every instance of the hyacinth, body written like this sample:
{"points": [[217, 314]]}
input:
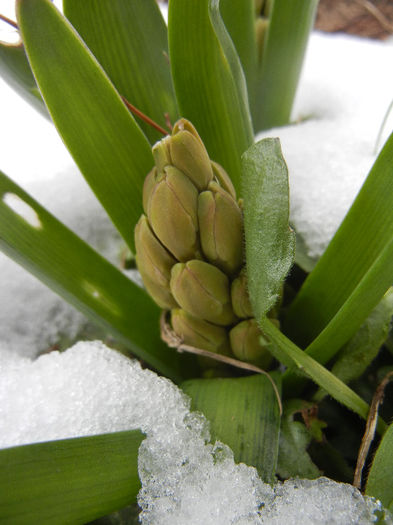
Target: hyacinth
{"points": [[190, 249]]}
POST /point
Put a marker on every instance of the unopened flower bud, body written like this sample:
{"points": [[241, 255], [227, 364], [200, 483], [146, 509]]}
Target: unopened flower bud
{"points": [[188, 153], [161, 154], [221, 229], [248, 345], [148, 185], [222, 177], [240, 299], [199, 333], [153, 259], [202, 290], [172, 213], [161, 294]]}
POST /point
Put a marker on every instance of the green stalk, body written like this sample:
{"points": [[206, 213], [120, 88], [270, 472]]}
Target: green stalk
{"points": [[280, 64]]}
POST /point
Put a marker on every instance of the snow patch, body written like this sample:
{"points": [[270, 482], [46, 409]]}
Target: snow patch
{"points": [[90, 389]]}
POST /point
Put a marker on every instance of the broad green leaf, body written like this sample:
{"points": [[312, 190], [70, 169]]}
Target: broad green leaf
{"points": [[364, 346], [270, 244], [354, 272], [15, 70], [284, 47], [209, 81], [129, 40], [318, 373], [239, 19], [293, 458], [110, 149], [244, 414], [380, 479], [39, 242], [70, 480]]}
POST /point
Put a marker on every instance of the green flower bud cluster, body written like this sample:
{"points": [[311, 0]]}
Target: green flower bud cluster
{"points": [[189, 249]]}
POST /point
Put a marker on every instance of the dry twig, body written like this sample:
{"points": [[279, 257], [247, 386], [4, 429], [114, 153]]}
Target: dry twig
{"points": [[370, 429]]}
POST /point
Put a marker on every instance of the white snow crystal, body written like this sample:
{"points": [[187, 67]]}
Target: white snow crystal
{"points": [[91, 389]]}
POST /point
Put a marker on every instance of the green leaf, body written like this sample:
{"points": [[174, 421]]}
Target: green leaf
{"points": [[129, 40], [318, 373], [39, 242], [244, 414], [15, 70], [380, 479], [209, 81], [110, 149], [293, 458], [70, 480], [239, 20], [364, 346], [354, 272], [270, 244], [284, 47]]}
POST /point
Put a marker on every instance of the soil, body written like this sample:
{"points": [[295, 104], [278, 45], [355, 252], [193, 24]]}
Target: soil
{"points": [[367, 18]]}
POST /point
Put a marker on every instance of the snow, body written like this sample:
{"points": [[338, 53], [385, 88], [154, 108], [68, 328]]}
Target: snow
{"points": [[343, 96], [92, 389]]}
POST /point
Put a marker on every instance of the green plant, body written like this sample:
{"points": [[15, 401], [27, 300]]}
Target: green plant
{"points": [[231, 73]]}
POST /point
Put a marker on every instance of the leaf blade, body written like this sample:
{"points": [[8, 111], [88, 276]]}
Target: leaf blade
{"points": [[39, 242], [15, 70], [244, 414], [380, 479], [269, 242], [318, 373], [129, 39], [69, 481], [283, 51], [355, 271], [209, 82], [110, 149]]}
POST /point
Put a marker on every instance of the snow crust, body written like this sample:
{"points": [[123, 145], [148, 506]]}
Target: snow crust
{"points": [[92, 389]]}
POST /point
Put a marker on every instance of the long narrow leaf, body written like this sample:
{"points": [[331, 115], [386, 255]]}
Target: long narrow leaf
{"points": [[239, 19], [270, 244], [209, 81], [244, 414], [69, 481], [15, 70], [110, 149], [380, 479], [39, 242], [355, 271], [318, 373], [129, 39], [283, 50], [354, 358]]}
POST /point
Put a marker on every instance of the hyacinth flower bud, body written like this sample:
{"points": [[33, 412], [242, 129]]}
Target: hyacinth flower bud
{"points": [[172, 213], [188, 154], [154, 260], [222, 177], [202, 290], [240, 298], [160, 294], [247, 343], [161, 154], [148, 185], [221, 229], [199, 333]]}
